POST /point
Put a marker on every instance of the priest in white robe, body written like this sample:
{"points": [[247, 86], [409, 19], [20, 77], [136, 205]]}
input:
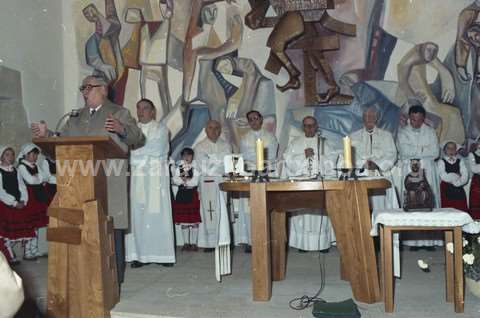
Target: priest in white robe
{"points": [[151, 239], [241, 227], [209, 154], [375, 152], [417, 140], [310, 156]]}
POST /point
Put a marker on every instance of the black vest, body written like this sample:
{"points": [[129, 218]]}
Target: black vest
{"points": [[477, 158], [452, 191], [10, 183], [38, 189]]}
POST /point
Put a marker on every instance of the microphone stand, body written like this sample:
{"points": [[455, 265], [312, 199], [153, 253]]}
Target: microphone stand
{"points": [[72, 113], [320, 151]]}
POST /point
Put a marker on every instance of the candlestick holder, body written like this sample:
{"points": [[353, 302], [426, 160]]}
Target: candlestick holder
{"points": [[348, 173], [260, 176]]}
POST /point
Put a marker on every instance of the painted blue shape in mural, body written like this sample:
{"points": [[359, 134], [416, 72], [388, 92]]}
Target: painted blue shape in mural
{"points": [[195, 120], [344, 120]]}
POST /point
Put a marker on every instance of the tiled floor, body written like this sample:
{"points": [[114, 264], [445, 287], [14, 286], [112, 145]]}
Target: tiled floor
{"points": [[189, 289]]}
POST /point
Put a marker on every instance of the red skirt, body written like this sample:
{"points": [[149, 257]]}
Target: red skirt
{"points": [[458, 201], [38, 207], [15, 223], [187, 212], [475, 197]]}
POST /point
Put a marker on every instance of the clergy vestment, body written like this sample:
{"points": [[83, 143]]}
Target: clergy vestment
{"points": [[377, 146], [310, 229], [209, 157], [241, 228], [152, 234], [421, 143]]}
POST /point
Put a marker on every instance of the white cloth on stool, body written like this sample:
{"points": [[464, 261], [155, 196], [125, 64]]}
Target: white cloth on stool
{"points": [[436, 218]]}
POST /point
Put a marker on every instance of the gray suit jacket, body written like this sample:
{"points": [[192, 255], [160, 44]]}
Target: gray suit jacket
{"points": [[86, 125]]}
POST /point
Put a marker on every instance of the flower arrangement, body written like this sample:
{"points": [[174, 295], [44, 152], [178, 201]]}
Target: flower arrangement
{"points": [[471, 256]]}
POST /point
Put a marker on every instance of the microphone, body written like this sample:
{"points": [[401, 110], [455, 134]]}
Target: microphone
{"points": [[72, 113]]}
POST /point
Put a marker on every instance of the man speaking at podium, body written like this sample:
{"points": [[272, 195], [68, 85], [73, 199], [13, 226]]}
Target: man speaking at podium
{"points": [[102, 117]]}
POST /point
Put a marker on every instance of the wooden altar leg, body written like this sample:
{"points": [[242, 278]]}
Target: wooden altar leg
{"points": [[336, 213], [349, 212], [343, 270], [260, 229], [279, 240], [449, 266], [363, 274], [459, 296]]}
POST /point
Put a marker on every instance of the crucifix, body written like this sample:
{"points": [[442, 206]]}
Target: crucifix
{"points": [[210, 210]]}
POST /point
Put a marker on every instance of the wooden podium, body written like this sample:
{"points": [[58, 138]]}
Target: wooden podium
{"points": [[82, 273]]}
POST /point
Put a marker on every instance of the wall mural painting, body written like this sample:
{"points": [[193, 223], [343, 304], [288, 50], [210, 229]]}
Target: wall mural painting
{"points": [[200, 59]]}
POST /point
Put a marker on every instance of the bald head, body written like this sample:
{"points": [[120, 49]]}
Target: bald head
{"points": [[213, 129]]}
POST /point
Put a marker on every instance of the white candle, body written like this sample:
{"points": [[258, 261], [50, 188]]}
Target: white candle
{"points": [[259, 151], [347, 152]]}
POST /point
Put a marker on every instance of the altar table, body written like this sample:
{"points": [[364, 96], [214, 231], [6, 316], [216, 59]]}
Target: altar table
{"points": [[347, 206]]}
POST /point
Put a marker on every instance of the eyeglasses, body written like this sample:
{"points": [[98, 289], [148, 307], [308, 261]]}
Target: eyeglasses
{"points": [[254, 118], [87, 87]]}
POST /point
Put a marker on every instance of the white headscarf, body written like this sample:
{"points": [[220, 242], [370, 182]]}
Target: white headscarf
{"points": [[3, 148], [26, 148]]}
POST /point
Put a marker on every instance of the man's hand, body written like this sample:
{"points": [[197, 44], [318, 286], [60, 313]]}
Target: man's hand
{"points": [[370, 165], [309, 152], [114, 126], [39, 129], [20, 205]]}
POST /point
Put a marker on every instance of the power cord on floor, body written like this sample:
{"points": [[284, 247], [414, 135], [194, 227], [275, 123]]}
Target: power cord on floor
{"points": [[301, 303], [306, 301]]}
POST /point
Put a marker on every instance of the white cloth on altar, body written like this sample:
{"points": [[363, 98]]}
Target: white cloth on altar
{"points": [[310, 229], [437, 218], [420, 144], [377, 146], [209, 157], [152, 236]]}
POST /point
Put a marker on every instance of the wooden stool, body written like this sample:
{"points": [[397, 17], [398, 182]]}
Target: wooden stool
{"points": [[454, 263]]}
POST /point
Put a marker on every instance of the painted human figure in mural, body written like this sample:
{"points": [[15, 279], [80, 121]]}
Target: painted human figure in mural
{"points": [[413, 85], [215, 38], [467, 77], [153, 51], [102, 49], [294, 20]]}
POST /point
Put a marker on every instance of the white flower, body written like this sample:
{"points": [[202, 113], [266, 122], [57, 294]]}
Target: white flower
{"points": [[450, 247], [469, 259], [422, 264], [465, 242]]}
